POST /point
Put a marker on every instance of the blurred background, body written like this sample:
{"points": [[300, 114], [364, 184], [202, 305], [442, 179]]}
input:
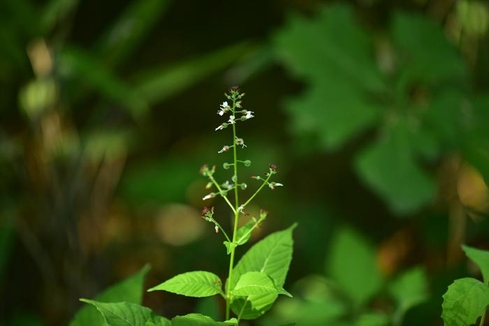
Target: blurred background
{"points": [[375, 112]]}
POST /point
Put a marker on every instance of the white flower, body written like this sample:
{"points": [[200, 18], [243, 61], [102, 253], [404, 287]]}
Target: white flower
{"points": [[232, 119], [209, 196], [224, 149], [277, 184], [249, 115], [241, 208], [227, 185], [221, 127], [220, 112], [224, 105]]}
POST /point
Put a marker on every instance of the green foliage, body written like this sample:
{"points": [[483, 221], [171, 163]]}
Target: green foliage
{"points": [[344, 295], [197, 284], [129, 290], [410, 85], [350, 253], [466, 299]]}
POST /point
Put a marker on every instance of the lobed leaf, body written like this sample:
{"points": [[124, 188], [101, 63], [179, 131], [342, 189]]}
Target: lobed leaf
{"points": [[197, 284], [464, 302]]}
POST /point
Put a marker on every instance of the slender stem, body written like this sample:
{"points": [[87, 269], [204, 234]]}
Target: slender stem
{"points": [[258, 190], [236, 217], [483, 318]]}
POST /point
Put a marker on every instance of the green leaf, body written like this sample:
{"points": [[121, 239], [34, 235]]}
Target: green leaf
{"points": [[481, 258], [130, 29], [409, 290], [390, 168], [129, 290], [197, 320], [271, 256], [125, 313], [54, 12], [373, 319], [464, 302], [424, 51], [256, 283], [244, 233], [340, 71], [352, 265], [197, 284], [229, 246]]}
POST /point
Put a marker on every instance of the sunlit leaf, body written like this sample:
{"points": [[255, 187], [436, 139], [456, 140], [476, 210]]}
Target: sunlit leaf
{"points": [[352, 265], [192, 284], [129, 290], [464, 302], [271, 256], [126, 313], [256, 283]]}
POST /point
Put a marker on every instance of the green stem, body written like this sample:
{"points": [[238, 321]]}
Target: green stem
{"points": [[483, 318], [265, 182], [235, 222]]}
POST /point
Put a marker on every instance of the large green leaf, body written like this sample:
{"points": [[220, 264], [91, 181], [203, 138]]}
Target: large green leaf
{"points": [[126, 313], [464, 302], [130, 290], [196, 284], [341, 72], [271, 256], [352, 265], [481, 258], [390, 168], [256, 283], [424, 52]]}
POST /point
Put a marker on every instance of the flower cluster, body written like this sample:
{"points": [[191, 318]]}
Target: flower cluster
{"points": [[233, 108]]}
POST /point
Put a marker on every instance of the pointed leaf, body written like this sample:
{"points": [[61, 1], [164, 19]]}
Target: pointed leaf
{"points": [[244, 233], [271, 256], [352, 264], [255, 283], [129, 290], [481, 258], [464, 302], [229, 246], [192, 284], [125, 313]]}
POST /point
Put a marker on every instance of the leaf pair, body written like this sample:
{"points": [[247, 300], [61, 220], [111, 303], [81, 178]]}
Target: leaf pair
{"points": [[258, 278]]}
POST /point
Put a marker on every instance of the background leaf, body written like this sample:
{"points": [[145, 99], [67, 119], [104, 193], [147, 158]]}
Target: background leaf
{"points": [[349, 254], [481, 258], [340, 71]]}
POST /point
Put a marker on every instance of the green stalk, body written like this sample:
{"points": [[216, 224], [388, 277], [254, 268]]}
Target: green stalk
{"points": [[236, 217]]}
